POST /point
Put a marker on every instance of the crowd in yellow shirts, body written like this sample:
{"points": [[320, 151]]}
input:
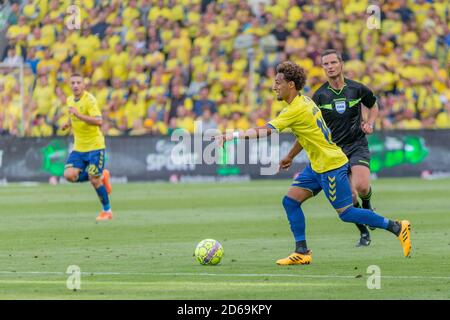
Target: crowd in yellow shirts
{"points": [[158, 65]]}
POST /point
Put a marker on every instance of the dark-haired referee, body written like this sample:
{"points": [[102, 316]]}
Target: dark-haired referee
{"points": [[340, 101]]}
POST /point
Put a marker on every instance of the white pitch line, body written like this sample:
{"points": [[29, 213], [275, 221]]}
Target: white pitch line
{"points": [[170, 274]]}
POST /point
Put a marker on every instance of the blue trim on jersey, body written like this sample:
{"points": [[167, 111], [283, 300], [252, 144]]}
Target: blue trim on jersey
{"points": [[334, 183], [272, 127]]}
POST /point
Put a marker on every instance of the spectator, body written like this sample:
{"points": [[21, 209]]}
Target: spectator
{"points": [[108, 128], [62, 49], [184, 120], [19, 32], [43, 97], [100, 25], [281, 34], [134, 110], [177, 99], [206, 121], [12, 59], [443, 118], [154, 124], [203, 102], [409, 122], [41, 128], [138, 128], [13, 18], [159, 109], [196, 85], [405, 12]]}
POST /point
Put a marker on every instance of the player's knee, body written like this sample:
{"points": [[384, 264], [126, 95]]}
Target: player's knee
{"points": [[70, 176], [362, 188]]}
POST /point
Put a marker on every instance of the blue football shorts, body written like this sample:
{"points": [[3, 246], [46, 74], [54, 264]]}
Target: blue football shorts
{"points": [[334, 183], [93, 162]]}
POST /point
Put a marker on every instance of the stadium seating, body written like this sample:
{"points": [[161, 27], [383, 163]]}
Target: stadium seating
{"points": [[157, 65]]}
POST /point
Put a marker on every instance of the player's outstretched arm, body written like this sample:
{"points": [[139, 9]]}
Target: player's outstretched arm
{"points": [[252, 133], [95, 121], [286, 162]]}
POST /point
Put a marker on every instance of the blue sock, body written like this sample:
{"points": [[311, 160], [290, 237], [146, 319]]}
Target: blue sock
{"points": [[83, 177], [364, 216], [104, 199], [296, 218]]}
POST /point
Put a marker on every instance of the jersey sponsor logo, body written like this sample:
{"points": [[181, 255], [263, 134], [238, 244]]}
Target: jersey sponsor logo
{"points": [[340, 106]]}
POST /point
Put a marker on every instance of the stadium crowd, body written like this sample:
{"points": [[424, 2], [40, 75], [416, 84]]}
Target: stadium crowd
{"points": [[158, 65]]}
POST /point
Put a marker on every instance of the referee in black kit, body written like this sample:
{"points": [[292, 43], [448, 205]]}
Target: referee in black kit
{"points": [[340, 101]]}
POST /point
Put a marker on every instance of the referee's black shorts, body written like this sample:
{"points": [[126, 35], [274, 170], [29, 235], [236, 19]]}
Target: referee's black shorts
{"points": [[358, 154]]}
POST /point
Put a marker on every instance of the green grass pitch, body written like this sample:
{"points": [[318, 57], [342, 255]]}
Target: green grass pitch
{"points": [[146, 252]]}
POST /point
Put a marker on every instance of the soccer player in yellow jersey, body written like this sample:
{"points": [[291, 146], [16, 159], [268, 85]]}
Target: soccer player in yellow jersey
{"points": [[328, 170], [87, 160]]}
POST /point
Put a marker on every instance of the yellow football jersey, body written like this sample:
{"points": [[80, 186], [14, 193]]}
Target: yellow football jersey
{"points": [[87, 137], [305, 120]]}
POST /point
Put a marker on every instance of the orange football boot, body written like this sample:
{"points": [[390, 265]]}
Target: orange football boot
{"points": [[103, 216], [405, 237], [296, 258]]}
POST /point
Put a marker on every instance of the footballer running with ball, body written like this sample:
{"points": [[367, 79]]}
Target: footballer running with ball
{"points": [[328, 170]]}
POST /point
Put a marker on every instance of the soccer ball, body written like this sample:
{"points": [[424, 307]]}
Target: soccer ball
{"points": [[209, 252]]}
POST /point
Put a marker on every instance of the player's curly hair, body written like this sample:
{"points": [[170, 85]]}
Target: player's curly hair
{"points": [[293, 72]]}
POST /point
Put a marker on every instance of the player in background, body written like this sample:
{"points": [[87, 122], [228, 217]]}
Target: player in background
{"points": [[87, 160], [327, 171], [340, 101]]}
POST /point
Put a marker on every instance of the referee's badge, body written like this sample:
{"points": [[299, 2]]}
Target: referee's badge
{"points": [[340, 106]]}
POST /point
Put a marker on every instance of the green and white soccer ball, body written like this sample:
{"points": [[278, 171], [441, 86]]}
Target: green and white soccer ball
{"points": [[209, 252]]}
